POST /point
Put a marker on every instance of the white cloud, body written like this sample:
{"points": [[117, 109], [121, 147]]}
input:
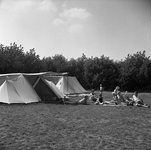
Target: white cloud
{"points": [[70, 16], [59, 21], [16, 5], [47, 5], [75, 13], [24, 5], [75, 28]]}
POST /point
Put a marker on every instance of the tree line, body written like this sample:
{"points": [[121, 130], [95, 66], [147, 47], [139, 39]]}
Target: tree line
{"points": [[132, 73]]}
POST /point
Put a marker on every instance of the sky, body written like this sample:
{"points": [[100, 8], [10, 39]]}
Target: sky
{"points": [[113, 28]]}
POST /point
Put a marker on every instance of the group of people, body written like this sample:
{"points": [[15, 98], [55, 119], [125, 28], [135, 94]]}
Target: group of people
{"points": [[135, 100], [118, 98], [97, 99]]}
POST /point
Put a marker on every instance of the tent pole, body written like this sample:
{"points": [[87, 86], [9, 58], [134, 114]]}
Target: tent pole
{"points": [[36, 82], [63, 101], [67, 83]]}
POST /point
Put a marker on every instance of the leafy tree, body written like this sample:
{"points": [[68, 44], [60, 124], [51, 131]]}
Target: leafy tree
{"points": [[32, 62], [134, 71], [80, 69], [11, 58], [47, 64], [101, 70], [59, 63], [72, 67]]}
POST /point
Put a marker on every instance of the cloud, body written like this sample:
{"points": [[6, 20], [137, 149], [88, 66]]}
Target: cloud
{"points": [[69, 18], [16, 5], [75, 13], [47, 5], [24, 5], [75, 28], [59, 21]]}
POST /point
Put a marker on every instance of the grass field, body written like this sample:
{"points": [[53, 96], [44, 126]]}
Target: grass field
{"points": [[41, 126]]}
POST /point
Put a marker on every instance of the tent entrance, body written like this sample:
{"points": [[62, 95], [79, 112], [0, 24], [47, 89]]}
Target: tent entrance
{"points": [[44, 92]]}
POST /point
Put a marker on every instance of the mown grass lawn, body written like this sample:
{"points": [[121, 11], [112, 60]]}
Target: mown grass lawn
{"points": [[41, 126]]}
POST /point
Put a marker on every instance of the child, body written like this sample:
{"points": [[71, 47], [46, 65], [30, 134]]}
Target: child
{"points": [[101, 88], [93, 96], [129, 101], [115, 94], [138, 101], [101, 94], [120, 97], [99, 100]]}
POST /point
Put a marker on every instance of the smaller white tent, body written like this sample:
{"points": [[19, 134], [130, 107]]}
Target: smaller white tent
{"points": [[17, 91], [70, 85]]}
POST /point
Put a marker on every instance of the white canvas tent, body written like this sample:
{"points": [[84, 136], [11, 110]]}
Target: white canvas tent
{"points": [[70, 85], [47, 85], [25, 83], [17, 91]]}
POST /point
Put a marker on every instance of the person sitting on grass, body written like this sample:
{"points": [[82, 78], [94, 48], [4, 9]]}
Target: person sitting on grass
{"points": [[129, 101], [93, 96], [138, 101], [99, 100], [115, 95], [120, 98]]}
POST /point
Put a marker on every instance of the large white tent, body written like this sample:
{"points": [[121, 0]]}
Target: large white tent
{"points": [[18, 91], [48, 86], [19, 83]]}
